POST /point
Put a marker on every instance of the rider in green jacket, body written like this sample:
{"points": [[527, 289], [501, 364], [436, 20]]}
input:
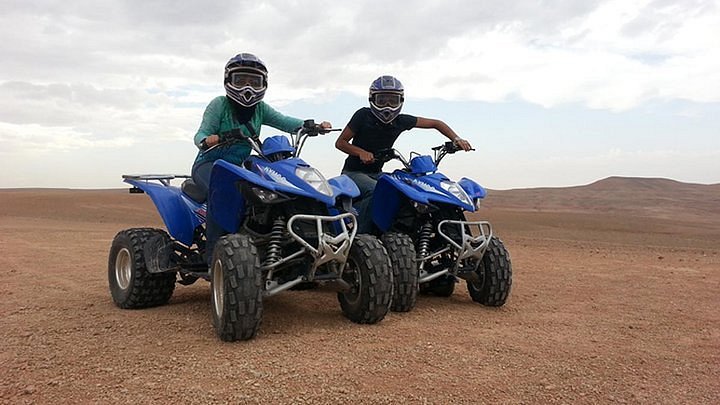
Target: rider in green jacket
{"points": [[240, 109]]}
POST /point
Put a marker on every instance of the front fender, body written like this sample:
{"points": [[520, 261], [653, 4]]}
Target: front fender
{"points": [[343, 186], [472, 189], [388, 194], [225, 201]]}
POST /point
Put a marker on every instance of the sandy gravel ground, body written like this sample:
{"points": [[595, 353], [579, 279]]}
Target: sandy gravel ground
{"points": [[606, 307]]}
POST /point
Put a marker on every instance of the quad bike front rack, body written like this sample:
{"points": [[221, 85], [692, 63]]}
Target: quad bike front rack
{"points": [[472, 246], [329, 248], [468, 246]]}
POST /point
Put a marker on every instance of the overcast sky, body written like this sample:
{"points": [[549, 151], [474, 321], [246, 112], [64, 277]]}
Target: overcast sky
{"points": [[550, 93]]}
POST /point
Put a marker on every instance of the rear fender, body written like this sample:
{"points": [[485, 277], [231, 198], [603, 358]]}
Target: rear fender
{"points": [[180, 214]]}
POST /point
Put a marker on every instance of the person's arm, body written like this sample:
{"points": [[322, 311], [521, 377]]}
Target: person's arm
{"points": [[210, 124], [444, 129], [343, 143], [283, 122]]}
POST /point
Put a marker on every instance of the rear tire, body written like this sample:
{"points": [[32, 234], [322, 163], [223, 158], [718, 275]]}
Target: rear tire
{"points": [[495, 274], [132, 286], [368, 272], [401, 251], [236, 288]]}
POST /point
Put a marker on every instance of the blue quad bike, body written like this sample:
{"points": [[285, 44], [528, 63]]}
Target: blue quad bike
{"points": [[431, 244], [285, 226]]}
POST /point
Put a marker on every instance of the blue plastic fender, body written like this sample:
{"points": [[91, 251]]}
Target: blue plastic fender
{"points": [[386, 199], [179, 213], [343, 186], [282, 175], [422, 164], [472, 189], [437, 194], [391, 188], [225, 200]]}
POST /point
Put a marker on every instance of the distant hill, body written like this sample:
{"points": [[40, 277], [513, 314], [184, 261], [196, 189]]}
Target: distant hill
{"points": [[656, 197], [647, 197]]}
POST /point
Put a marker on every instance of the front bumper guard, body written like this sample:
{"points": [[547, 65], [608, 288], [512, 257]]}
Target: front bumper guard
{"points": [[469, 247]]}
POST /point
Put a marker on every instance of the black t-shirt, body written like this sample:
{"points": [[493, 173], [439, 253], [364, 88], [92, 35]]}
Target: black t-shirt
{"points": [[373, 135]]}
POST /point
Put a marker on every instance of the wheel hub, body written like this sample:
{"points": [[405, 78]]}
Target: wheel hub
{"points": [[351, 275], [218, 288], [123, 268]]}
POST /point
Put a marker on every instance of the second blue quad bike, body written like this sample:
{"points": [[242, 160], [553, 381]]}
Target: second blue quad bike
{"points": [[419, 214], [284, 224]]}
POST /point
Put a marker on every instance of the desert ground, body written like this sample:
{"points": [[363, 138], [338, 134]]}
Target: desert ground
{"points": [[615, 299]]}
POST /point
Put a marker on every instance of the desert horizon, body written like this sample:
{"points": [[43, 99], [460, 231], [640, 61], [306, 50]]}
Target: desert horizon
{"points": [[603, 180]]}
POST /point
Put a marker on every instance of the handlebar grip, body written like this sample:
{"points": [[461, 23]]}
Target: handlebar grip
{"points": [[310, 128]]}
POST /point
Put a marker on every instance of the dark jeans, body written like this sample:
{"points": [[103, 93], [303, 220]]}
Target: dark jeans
{"points": [[363, 204], [201, 176]]}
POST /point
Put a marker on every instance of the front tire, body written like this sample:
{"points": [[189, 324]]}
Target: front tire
{"points": [[495, 276], [401, 251], [132, 286], [368, 272], [236, 286]]}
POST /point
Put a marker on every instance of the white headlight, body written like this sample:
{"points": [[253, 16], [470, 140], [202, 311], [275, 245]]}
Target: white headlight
{"points": [[314, 178], [457, 191]]}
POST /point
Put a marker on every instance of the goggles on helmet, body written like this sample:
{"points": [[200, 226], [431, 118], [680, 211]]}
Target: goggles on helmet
{"points": [[391, 100], [242, 79]]}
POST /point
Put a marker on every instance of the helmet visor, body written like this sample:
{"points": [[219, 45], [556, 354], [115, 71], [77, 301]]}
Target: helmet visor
{"points": [[392, 100], [243, 79]]}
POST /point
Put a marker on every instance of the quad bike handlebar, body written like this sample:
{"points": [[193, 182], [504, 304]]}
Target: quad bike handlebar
{"points": [[308, 129], [447, 148], [227, 138], [386, 155]]}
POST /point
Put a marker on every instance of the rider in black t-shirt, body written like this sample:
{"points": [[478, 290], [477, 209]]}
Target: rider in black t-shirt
{"points": [[376, 128]]}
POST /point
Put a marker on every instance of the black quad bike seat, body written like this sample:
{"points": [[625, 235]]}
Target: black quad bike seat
{"points": [[192, 190]]}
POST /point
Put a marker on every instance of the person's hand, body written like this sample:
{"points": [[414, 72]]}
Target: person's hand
{"points": [[212, 140], [463, 144], [325, 125], [366, 157]]}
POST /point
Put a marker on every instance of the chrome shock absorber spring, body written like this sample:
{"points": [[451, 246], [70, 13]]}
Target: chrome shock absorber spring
{"points": [[274, 248], [424, 239]]}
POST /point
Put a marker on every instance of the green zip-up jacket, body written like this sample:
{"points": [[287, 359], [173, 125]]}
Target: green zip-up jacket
{"points": [[218, 118]]}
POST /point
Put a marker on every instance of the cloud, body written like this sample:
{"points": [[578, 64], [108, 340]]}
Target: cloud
{"points": [[85, 74], [611, 54]]}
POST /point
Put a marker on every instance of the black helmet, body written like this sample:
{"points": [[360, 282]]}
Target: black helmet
{"points": [[386, 98], [245, 79]]}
